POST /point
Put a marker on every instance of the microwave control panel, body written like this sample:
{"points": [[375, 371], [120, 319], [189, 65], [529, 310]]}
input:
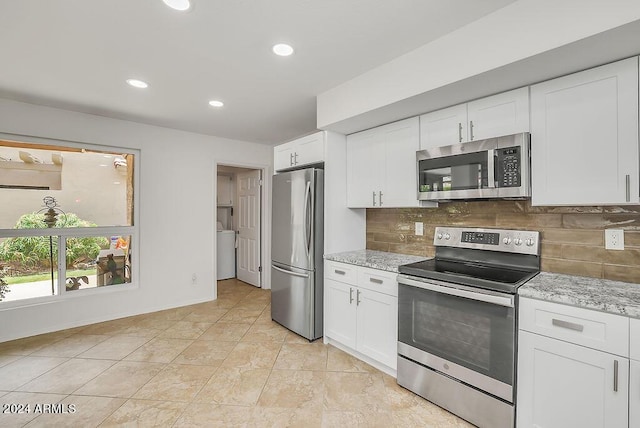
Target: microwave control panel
{"points": [[509, 167]]}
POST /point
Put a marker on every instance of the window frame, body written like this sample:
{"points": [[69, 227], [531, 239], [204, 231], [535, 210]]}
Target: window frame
{"points": [[61, 234]]}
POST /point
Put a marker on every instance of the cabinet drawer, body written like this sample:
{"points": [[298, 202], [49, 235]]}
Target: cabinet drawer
{"points": [[597, 330], [341, 272], [378, 280], [634, 339]]}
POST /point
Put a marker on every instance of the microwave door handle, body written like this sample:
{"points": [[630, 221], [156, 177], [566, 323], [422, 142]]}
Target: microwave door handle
{"points": [[491, 168]]}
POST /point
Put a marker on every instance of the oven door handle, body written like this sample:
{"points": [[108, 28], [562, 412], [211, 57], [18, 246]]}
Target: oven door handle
{"points": [[482, 297]]}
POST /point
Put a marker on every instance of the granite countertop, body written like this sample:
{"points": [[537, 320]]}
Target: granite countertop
{"points": [[615, 297], [374, 259]]}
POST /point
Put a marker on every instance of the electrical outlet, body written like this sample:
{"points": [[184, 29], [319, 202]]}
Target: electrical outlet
{"points": [[614, 239], [419, 228], [194, 279]]}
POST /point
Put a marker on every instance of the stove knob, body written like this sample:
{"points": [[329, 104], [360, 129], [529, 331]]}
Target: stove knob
{"points": [[529, 242], [517, 241], [439, 235], [507, 241], [447, 236]]}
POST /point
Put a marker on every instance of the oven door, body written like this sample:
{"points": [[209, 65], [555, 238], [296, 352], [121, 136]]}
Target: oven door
{"points": [[465, 334]]}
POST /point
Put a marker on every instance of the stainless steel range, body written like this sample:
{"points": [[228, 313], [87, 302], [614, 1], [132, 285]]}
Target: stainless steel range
{"points": [[457, 321]]}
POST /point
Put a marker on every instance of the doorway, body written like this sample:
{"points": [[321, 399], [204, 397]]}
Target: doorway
{"points": [[239, 224]]}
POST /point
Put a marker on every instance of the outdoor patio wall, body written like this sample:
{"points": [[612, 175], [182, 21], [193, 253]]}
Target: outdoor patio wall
{"points": [[176, 214]]}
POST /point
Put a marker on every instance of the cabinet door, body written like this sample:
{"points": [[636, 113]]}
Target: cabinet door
{"points": [[340, 312], [401, 141], [365, 169], [634, 394], [584, 137], [309, 150], [377, 330], [443, 127], [225, 190], [283, 157], [502, 114], [565, 385]]}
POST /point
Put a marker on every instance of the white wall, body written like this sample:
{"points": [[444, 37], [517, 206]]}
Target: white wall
{"points": [[521, 30], [176, 214]]}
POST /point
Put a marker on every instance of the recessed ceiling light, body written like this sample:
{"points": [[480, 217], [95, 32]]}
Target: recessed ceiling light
{"points": [[216, 103], [180, 5], [137, 83], [282, 49]]}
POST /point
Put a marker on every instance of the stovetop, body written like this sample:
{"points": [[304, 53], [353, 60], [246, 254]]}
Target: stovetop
{"points": [[473, 274], [493, 259]]}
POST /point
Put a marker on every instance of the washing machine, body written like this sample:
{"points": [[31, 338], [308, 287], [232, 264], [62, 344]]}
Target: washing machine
{"points": [[226, 254]]}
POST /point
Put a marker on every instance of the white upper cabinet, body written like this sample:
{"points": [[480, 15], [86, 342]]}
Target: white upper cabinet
{"points": [[443, 127], [584, 137], [381, 166], [502, 114], [225, 190], [303, 151]]}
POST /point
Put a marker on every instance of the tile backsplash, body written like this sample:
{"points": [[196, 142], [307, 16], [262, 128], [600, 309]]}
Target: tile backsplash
{"points": [[572, 238]]}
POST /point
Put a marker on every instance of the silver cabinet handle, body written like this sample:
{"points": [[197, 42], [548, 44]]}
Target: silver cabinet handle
{"points": [[350, 295], [628, 185], [295, 158], [339, 272], [374, 198], [460, 132], [357, 297], [615, 375], [471, 129], [567, 324], [380, 197], [290, 159], [376, 280]]}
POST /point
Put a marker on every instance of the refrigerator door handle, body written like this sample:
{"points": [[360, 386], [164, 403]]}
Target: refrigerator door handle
{"points": [[288, 272], [307, 219]]}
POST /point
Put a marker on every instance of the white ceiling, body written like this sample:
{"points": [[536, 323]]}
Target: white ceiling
{"points": [[77, 54]]}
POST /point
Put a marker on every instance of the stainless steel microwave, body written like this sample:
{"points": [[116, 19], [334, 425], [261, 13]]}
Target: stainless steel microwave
{"points": [[485, 169]]}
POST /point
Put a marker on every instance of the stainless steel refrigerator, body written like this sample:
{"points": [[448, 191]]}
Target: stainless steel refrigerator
{"points": [[297, 251]]}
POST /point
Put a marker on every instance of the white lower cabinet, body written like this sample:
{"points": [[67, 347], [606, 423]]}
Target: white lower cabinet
{"points": [[573, 367], [340, 320], [634, 375], [361, 313], [376, 326], [634, 394], [565, 385]]}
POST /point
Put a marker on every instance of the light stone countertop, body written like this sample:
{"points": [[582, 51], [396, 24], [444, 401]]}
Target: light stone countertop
{"points": [[374, 259], [615, 297]]}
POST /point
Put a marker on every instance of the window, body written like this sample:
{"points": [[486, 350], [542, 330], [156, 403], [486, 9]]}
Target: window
{"points": [[67, 218]]}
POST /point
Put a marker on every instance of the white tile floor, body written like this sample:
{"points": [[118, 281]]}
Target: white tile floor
{"points": [[222, 363]]}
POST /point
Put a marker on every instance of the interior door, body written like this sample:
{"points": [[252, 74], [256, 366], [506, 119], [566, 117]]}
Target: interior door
{"points": [[249, 227]]}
